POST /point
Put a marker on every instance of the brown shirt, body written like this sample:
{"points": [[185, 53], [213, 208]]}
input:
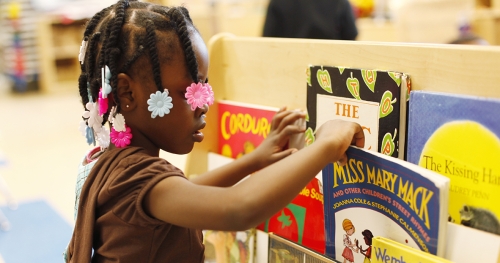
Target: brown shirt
{"points": [[111, 219]]}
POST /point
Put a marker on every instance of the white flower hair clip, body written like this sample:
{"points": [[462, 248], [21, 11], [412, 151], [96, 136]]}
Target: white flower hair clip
{"points": [[83, 50], [91, 125], [105, 77], [160, 103]]}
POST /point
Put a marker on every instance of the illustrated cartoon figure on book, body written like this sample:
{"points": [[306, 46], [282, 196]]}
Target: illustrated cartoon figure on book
{"points": [[479, 218], [367, 237], [350, 247]]}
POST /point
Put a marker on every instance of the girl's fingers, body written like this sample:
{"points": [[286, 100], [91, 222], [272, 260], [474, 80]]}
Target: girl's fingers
{"points": [[278, 117], [358, 138], [288, 119], [343, 160]]}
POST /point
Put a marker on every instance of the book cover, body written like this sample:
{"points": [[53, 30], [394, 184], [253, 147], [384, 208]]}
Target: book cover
{"points": [[242, 127], [228, 246], [301, 221], [378, 195], [387, 250], [458, 137], [282, 250], [375, 99]]}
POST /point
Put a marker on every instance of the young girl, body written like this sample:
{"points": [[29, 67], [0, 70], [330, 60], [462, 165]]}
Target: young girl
{"points": [[144, 70]]}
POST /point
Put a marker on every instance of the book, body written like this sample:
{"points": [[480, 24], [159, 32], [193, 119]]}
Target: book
{"points": [[458, 136], [378, 195], [282, 250], [242, 127], [375, 99], [460, 249], [228, 246], [302, 220], [386, 250]]}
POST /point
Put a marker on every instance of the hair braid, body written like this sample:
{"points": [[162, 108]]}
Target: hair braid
{"points": [[112, 51], [115, 26], [82, 87], [182, 31], [86, 74], [105, 29], [153, 53], [91, 48], [185, 12], [94, 21]]}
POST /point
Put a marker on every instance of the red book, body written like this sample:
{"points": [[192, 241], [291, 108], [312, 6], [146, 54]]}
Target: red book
{"points": [[242, 127], [301, 221]]}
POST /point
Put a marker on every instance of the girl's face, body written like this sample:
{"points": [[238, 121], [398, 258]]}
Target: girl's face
{"points": [[177, 131], [350, 231]]}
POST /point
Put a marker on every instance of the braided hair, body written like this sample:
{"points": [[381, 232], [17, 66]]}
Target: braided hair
{"points": [[120, 34]]}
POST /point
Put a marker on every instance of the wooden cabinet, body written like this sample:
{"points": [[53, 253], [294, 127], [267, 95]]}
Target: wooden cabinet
{"points": [[58, 47]]}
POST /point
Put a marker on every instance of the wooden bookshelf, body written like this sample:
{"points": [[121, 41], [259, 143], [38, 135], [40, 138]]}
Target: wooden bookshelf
{"points": [[58, 46], [271, 71]]}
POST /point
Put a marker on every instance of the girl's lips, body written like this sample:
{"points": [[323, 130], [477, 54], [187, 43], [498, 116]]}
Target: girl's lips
{"points": [[198, 135]]}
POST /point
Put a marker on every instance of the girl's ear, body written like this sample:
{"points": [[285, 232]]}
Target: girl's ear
{"points": [[125, 91]]}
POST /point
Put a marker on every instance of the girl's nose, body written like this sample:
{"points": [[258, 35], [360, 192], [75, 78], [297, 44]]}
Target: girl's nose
{"points": [[204, 109]]}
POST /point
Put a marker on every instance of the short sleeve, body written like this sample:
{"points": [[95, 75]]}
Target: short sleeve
{"points": [[129, 184]]}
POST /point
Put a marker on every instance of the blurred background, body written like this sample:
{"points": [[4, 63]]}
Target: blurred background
{"points": [[40, 145]]}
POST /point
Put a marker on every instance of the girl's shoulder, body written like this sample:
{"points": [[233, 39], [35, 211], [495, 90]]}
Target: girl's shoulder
{"points": [[131, 156]]}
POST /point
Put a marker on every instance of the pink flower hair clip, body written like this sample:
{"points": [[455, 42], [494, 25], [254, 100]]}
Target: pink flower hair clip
{"points": [[199, 94], [120, 134]]}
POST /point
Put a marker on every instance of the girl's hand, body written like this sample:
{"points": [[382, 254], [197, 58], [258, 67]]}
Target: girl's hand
{"points": [[339, 135], [273, 148]]}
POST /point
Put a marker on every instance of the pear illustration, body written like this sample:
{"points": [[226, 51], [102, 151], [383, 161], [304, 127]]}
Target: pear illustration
{"points": [[396, 77], [388, 145], [353, 86], [341, 70], [309, 136], [370, 77], [324, 80], [386, 104]]}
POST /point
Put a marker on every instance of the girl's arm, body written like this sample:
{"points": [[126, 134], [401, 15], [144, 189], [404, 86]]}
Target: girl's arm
{"points": [[268, 152], [245, 205]]}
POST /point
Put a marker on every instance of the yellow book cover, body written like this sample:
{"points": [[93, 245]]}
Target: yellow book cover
{"points": [[459, 136], [385, 250]]}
